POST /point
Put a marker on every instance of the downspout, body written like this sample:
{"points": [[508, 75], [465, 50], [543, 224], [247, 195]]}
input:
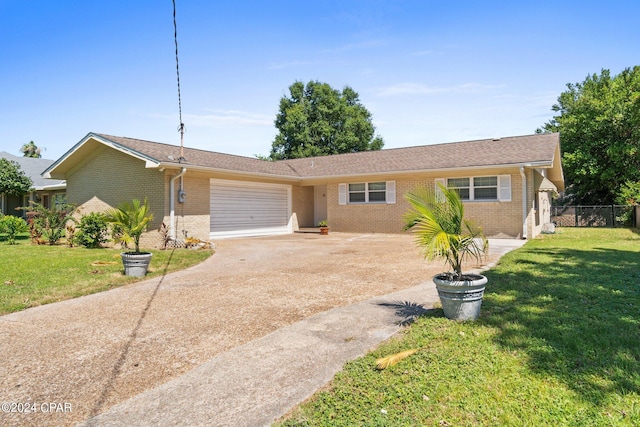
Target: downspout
{"points": [[524, 202], [172, 202]]}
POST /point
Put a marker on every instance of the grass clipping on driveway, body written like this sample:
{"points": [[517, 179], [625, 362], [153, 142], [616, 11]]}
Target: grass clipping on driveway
{"points": [[557, 343], [32, 275]]}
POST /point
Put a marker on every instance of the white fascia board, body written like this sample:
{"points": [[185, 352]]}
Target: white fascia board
{"points": [[243, 174], [301, 180], [47, 172], [149, 162], [50, 187], [542, 164]]}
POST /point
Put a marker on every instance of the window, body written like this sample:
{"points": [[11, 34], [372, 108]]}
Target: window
{"points": [[481, 188], [461, 185], [367, 192], [377, 192], [357, 193], [485, 188], [59, 201]]}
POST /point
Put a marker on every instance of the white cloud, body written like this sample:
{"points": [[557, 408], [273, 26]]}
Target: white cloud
{"points": [[229, 118], [423, 89]]}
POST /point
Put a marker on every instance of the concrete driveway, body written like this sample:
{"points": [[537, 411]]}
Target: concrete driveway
{"points": [[185, 349]]}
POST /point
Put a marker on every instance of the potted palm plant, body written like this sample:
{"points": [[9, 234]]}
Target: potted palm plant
{"points": [[131, 219], [442, 232]]}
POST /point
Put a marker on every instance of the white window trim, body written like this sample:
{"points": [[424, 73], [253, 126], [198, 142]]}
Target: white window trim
{"points": [[390, 193], [503, 188]]}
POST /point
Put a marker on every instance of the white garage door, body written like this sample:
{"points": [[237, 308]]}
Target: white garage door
{"points": [[249, 209]]}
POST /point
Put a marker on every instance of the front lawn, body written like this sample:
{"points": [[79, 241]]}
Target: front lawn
{"points": [[32, 275], [557, 343]]}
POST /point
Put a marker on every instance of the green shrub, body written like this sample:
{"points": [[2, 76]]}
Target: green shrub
{"points": [[92, 231], [11, 226], [49, 225]]}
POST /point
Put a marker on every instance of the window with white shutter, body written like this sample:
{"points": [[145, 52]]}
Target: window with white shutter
{"points": [[342, 194], [391, 192], [478, 188], [367, 193], [504, 188]]}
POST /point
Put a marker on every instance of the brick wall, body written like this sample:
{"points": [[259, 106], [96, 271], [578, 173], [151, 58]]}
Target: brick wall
{"points": [[109, 178], [498, 219], [192, 216]]}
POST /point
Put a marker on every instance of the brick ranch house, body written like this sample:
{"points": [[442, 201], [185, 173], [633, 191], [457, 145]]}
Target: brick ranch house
{"points": [[507, 184]]}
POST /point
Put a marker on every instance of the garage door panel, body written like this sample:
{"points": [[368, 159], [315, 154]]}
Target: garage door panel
{"points": [[249, 209]]}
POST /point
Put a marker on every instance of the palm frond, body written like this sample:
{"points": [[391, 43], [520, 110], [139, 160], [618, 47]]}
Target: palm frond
{"points": [[394, 359], [437, 220], [132, 218]]}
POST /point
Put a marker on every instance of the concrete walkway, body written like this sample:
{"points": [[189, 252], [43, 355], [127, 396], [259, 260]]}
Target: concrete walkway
{"points": [[256, 383]]}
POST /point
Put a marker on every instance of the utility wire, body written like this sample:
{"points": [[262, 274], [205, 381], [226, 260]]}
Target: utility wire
{"points": [[181, 128]]}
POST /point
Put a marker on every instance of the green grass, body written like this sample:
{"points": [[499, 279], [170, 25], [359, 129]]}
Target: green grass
{"points": [[557, 343], [32, 275]]}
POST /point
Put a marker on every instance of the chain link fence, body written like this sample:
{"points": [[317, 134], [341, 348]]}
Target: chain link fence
{"points": [[594, 216]]}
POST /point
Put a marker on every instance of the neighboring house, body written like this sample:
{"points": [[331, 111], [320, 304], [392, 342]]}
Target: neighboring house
{"points": [[507, 184], [48, 192]]}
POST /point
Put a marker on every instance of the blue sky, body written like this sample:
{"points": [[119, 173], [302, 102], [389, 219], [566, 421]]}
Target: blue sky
{"points": [[429, 71]]}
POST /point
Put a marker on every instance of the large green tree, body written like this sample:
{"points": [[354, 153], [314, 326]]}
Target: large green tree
{"points": [[13, 179], [599, 125], [317, 120], [30, 149]]}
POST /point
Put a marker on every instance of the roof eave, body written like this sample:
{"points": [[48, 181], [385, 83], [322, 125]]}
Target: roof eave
{"points": [[50, 172], [60, 186], [536, 164], [233, 172]]}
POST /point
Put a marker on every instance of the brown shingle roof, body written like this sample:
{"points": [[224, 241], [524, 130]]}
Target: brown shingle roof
{"points": [[166, 153], [480, 153]]}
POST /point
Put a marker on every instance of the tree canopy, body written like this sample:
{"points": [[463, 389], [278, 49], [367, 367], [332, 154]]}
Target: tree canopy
{"points": [[30, 149], [317, 120], [13, 180], [599, 125]]}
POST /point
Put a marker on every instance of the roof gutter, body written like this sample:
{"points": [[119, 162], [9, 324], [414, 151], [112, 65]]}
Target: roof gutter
{"points": [[51, 187], [172, 202], [300, 179], [542, 165], [239, 173]]}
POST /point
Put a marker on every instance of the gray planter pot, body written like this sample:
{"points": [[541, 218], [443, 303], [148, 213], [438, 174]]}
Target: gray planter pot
{"points": [[135, 264], [461, 299]]}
